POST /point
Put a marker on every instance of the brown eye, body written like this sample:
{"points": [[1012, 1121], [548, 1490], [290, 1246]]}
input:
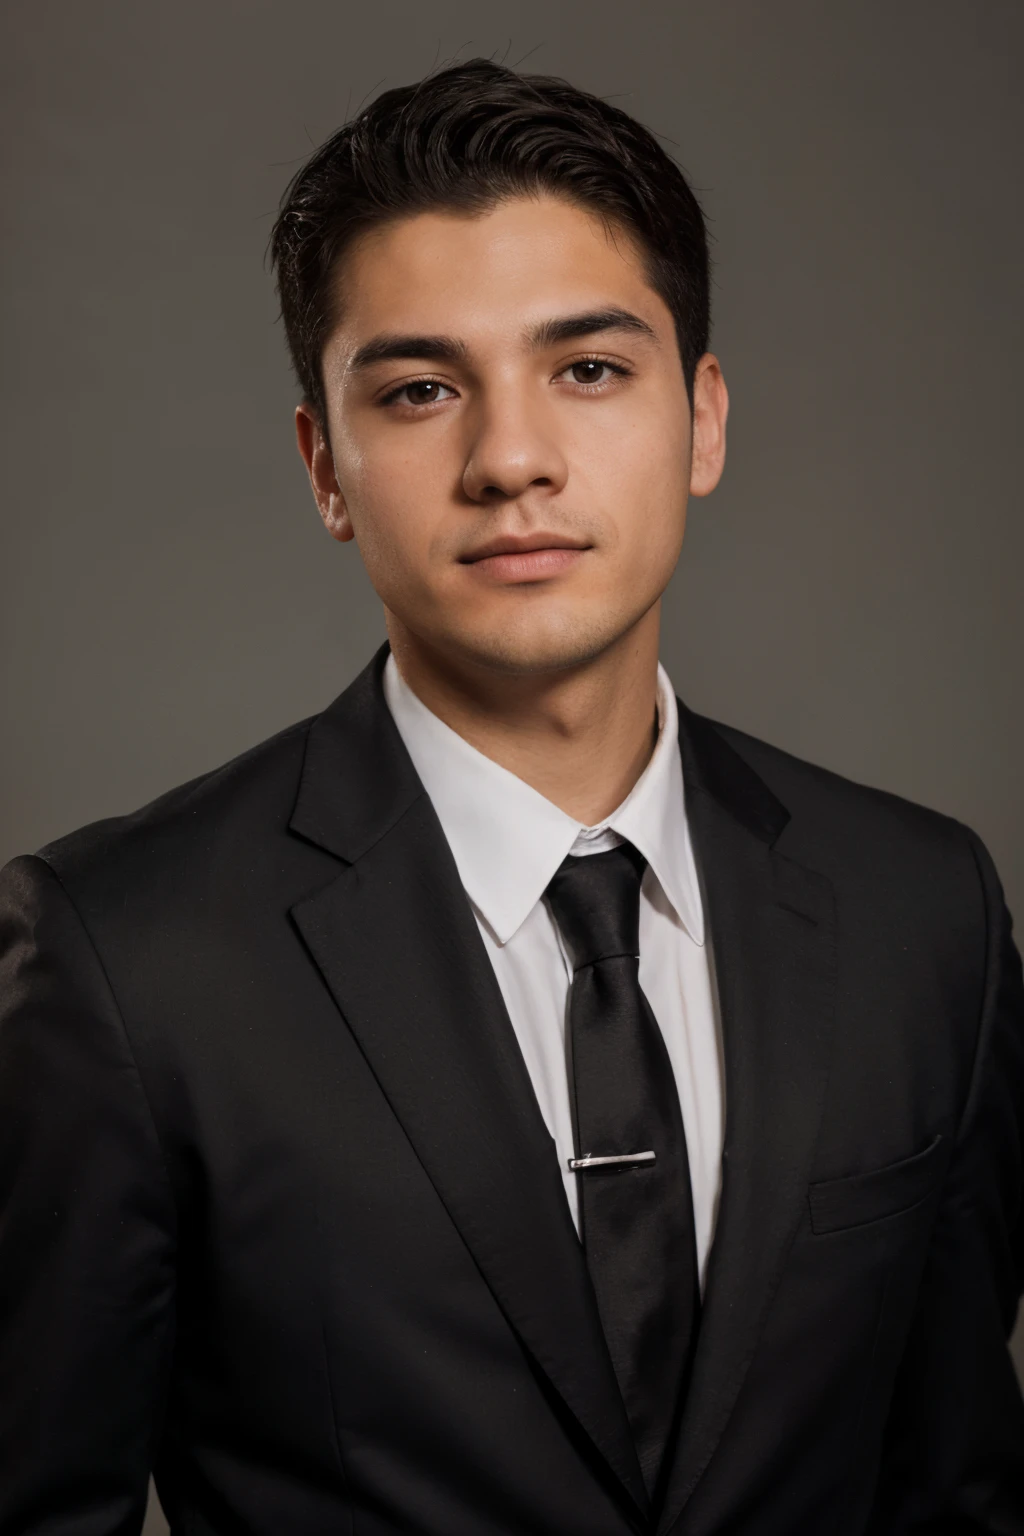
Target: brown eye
{"points": [[419, 392], [424, 392], [588, 372]]}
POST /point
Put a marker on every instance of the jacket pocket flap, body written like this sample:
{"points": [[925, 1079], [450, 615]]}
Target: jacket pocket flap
{"points": [[864, 1197]]}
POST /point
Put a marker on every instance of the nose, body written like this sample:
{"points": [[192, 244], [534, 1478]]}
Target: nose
{"points": [[512, 449]]}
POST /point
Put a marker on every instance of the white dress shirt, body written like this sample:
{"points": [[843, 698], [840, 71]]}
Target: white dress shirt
{"points": [[508, 841]]}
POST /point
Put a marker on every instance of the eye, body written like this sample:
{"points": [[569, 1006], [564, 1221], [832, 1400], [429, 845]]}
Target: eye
{"points": [[593, 371], [419, 392]]}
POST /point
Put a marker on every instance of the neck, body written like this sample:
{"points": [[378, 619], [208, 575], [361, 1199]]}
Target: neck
{"points": [[581, 736]]}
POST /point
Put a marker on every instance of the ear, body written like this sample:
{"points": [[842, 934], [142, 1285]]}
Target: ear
{"points": [[319, 462], [710, 410]]}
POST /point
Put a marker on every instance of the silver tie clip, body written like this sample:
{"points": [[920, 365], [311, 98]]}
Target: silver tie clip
{"points": [[590, 1161]]}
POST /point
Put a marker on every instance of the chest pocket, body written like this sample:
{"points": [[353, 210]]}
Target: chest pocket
{"points": [[853, 1202]]}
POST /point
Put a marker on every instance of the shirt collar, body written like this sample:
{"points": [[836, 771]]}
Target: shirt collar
{"points": [[507, 839]]}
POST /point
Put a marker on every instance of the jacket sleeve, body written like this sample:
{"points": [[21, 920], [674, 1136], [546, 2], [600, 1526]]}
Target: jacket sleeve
{"points": [[953, 1455], [86, 1232]]}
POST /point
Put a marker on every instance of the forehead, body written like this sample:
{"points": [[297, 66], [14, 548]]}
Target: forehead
{"points": [[488, 273]]}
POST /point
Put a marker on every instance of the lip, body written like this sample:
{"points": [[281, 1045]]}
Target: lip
{"points": [[530, 557]]}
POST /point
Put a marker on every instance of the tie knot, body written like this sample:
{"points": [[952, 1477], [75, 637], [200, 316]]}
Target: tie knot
{"points": [[596, 903]]}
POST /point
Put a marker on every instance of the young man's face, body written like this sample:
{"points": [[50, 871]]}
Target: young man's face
{"points": [[510, 438]]}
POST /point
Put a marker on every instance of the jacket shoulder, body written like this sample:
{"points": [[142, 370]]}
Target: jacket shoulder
{"points": [[227, 805], [838, 819], [904, 872]]}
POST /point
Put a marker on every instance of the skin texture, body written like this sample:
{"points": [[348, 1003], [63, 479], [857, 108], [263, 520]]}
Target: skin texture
{"points": [[518, 494]]}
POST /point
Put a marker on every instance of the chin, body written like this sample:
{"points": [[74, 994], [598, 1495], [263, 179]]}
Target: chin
{"points": [[526, 650]]}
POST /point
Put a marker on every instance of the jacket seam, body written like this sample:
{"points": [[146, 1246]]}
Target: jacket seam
{"points": [[992, 961], [164, 1163]]}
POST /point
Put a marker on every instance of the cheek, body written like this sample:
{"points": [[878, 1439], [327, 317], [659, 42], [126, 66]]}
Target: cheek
{"points": [[638, 475], [388, 499]]}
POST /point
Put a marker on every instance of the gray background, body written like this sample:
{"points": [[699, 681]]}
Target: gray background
{"points": [[852, 591]]}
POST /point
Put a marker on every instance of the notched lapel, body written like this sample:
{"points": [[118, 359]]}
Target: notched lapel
{"points": [[772, 926], [396, 942]]}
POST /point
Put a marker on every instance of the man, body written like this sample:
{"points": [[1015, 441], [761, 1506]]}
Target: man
{"points": [[509, 1102]]}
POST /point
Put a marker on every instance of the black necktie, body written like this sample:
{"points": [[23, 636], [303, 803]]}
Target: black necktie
{"points": [[635, 1202]]}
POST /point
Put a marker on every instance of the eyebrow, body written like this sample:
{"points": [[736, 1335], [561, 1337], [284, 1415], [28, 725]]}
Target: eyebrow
{"points": [[446, 349], [590, 323], [389, 349]]}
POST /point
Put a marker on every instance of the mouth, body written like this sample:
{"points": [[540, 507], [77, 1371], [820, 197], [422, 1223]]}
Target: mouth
{"points": [[530, 557]]}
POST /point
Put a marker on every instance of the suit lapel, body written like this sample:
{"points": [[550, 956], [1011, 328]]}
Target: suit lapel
{"points": [[772, 929], [396, 942]]}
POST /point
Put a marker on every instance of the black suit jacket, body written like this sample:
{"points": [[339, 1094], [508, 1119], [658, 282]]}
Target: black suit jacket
{"points": [[279, 1214]]}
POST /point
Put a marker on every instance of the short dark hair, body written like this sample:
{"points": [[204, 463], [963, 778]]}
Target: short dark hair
{"points": [[464, 139]]}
